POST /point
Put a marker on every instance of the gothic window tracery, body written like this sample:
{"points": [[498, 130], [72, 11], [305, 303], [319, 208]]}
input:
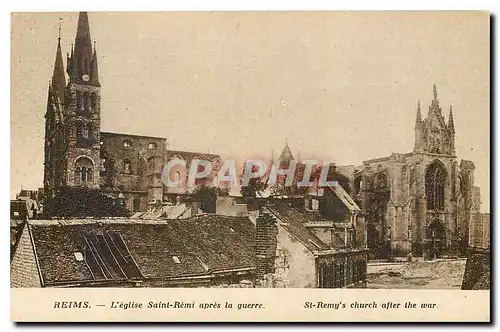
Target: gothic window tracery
{"points": [[435, 180]]}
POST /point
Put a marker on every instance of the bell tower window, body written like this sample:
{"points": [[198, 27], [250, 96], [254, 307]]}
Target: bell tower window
{"points": [[93, 100], [84, 171], [86, 104], [79, 130], [79, 103]]}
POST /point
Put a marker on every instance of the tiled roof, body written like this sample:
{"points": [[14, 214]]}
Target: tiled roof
{"points": [[157, 249], [345, 198], [294, 222]]}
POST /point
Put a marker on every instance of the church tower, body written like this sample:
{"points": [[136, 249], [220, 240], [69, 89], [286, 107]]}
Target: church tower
{"points": [[433, 134], [82, 111], [72, 119]]}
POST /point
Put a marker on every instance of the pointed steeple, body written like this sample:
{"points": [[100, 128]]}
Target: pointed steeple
{"points": [[69, 65], [58, 77], [286, 154], [418, 119], [94, 72], [82, 58], [434, 107], [418, 130], [451, 124]]}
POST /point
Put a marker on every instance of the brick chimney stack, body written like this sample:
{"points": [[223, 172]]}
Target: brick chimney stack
{"points": [[265, 244]]}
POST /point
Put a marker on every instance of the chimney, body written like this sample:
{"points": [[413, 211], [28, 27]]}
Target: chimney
{"points": [[265, 244]]}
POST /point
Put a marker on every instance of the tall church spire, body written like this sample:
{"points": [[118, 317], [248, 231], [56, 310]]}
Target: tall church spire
{"points": [[58, 77], [82, 58], [435, 93], [451, 124]]}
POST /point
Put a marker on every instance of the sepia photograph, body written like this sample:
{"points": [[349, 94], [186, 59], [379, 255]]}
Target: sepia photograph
{"points": [[250, 150]]}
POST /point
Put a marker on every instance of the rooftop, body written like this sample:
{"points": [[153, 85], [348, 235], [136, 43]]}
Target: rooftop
{"points": [[124, 249]]}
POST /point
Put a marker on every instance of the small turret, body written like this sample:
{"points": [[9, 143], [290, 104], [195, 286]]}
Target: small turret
{"points": [[419, 141], [94, 72], [451, 124]]}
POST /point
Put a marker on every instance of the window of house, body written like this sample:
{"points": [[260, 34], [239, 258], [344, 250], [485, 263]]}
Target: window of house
{"points": [[152, 146], [127, 144], [326, 276], [127, 166]]}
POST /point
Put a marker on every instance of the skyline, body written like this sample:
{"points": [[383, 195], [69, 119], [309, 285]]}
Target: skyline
{"points": [[209, 68]]}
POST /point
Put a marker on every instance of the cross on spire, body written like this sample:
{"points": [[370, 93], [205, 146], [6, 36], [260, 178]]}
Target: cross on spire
{"points": [[60, 23]]}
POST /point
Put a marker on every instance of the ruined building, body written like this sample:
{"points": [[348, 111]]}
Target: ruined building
{"points": [[419, 202]]}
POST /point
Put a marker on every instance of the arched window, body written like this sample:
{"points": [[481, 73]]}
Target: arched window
{"points": [[80, 132], [84, 171], [93, 100], [381, 181], [435, 180], [90, 131], [86, 101], [127, 166]]}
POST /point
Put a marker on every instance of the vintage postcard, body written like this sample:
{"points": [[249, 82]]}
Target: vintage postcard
{"points": [[318, 166]]}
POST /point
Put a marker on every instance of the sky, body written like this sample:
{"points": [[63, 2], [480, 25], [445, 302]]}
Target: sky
{"points": [[338, 86]]}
